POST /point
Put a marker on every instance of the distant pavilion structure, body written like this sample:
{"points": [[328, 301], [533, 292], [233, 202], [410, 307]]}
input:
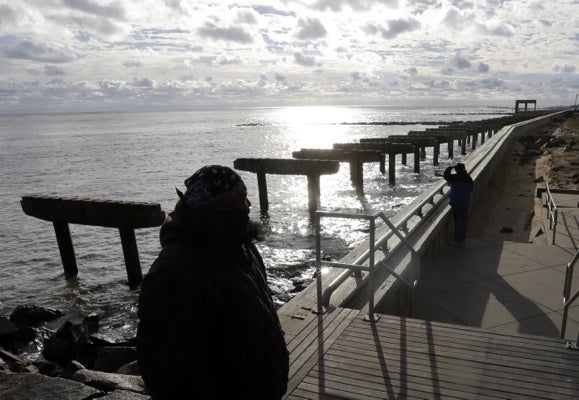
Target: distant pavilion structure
{"points": [[526, 103]]}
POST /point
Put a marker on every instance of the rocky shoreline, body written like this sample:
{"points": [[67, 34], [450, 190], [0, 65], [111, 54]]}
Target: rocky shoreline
{"points": [[74, 363]]}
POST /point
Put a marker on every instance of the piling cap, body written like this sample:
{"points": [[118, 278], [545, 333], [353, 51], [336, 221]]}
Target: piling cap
{"points": [[211, 184], [460, 167]]}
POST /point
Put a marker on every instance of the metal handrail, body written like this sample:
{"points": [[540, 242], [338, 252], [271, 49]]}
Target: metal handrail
{"points": [[400, 225], [324, 298], [552, 211], [567, 299]]}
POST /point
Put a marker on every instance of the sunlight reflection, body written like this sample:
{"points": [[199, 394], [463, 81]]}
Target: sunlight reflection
{"points": [[315, 127]]}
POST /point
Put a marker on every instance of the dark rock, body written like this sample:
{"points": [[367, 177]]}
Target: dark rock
{"points": [[554, 142], [32, 315], [109, 382], [131, 368], [71, 369], [124, 395], [7, 327], [8, 332], [70, 339], [48, 368], [37, 386], [16, 364], [110, 359]]}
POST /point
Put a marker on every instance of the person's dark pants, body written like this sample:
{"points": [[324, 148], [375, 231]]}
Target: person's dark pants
{"points": [[459, 213]]}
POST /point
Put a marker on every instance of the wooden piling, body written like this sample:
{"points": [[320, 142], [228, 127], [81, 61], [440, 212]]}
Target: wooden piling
{"points": [[131, 254], [312, 169], [66, 249], [383, 147], [355, 157], [124, 215]]}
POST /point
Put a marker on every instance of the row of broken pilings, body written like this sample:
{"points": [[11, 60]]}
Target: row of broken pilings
{"points": [[313, 163], [74, 362]]}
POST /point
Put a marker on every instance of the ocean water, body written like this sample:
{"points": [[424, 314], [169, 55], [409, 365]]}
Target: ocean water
{"points": [[145, 156]]}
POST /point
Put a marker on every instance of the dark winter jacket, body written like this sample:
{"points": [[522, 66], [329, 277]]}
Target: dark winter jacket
{"points": [[461, 186], [208, 328]]}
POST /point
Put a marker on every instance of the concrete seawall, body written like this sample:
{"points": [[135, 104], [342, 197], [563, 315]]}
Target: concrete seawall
{"points": [[427, 231]]}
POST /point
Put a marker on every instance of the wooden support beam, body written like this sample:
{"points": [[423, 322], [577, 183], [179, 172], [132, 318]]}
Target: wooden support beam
{"points": [[355, 157], [312, 169], [384, 147], [84, 211], [124, 215]]}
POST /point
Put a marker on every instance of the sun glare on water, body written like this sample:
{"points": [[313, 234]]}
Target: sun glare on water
{"points": [[315, 127]]}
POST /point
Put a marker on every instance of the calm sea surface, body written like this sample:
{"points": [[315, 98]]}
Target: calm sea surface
{"points": [[144, 156]]}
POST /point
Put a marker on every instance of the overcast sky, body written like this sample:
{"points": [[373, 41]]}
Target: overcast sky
{"points": [[94, 55]]}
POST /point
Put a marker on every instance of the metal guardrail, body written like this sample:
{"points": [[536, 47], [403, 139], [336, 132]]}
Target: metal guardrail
{"points": [[567, 298], [552, 211], [323, 297]]}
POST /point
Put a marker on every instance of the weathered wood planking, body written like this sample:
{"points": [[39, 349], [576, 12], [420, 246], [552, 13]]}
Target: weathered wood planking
{"points": [[407, 358]]}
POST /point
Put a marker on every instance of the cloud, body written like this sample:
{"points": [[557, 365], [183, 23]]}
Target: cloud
{"points": [[560, 67], [144, 83], [231, 34], [132, 64], [7, 16], [113, 10], [461, 62], [310, 29], [468, 21], [358, 5], [31, 49], [303, 60], [483, 68], [246, 17], [267, 10], [53, 70], [393, 28]]}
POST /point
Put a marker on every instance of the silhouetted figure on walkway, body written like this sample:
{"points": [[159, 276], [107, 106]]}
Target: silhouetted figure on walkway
{"points": [[208, 328], [461, 185]]}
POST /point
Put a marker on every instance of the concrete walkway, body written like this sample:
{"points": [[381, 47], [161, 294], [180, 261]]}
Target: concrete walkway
{"points": [[506, 287]]}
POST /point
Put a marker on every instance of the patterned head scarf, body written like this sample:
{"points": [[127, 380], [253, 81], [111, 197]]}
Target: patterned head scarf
{"points": [[211, 184]]}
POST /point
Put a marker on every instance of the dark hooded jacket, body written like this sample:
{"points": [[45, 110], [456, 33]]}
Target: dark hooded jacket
{"points": [[208, 328], [461, 185]]}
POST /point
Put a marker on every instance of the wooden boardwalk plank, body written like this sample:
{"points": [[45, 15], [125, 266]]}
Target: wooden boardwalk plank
{"points": [[406, 358]]}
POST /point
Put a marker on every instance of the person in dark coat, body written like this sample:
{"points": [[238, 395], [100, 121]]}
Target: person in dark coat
{"points": [[461, 186], [208, 328]]}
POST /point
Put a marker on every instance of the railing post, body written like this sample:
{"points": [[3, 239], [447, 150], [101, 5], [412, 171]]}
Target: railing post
{"points": [[372, 317], [320, 307]]}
